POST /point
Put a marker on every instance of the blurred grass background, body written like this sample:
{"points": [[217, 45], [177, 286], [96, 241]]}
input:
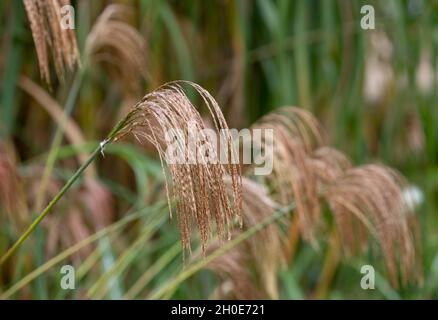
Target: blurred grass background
{"points": [[375, 91]]}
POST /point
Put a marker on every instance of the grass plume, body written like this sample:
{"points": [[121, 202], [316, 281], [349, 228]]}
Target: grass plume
{"points": [[119, 47], [199, 190], [364, 199], [297, 133], [51, 38]]}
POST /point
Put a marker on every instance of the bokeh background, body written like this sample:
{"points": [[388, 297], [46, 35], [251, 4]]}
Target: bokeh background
{"points": [[374, 91]]}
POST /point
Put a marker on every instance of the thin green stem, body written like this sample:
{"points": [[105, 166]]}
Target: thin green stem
{"points": [[44, 213], [51, 158]]}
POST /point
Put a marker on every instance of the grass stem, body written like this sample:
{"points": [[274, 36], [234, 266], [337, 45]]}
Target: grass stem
{"points": [[44, 213], [57, 140]]}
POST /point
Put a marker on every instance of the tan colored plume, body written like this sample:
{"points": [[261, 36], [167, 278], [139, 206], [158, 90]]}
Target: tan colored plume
{"points": [[50, 37], [198, 189], [363, 200], [296, 134], [115, 43], [328, 164], [371, 197]]}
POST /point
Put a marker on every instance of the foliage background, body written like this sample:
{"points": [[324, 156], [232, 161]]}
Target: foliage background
{"points": [[253, 56]]}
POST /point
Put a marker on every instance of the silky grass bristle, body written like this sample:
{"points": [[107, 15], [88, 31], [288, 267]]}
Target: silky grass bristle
{"points": [[198, 188], [120, 46], [297, 133], [370, 197], [363, 200], [50, 37], [328, 164]]}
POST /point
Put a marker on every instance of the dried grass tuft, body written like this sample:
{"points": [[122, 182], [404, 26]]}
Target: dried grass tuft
{"points": [[297, 133], [328, 164], [371, 197], [198, 189], [49, 37], [364, 200], [115, 43]]}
